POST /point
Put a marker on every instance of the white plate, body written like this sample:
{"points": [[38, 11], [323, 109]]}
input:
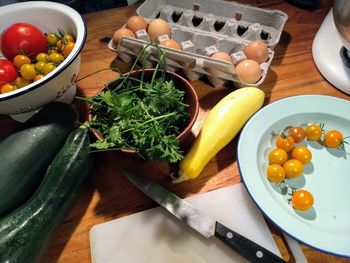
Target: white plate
{"points": [[326, 226]]}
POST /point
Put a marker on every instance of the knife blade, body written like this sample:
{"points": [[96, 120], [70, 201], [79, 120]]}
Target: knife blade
{"points": [[202, 223]]}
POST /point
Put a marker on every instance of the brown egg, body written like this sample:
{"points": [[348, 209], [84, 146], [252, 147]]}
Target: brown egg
{"points": [[136, 23], [122, 32], [257, 50], [222, 56], [158, 27], [170, 43], [249, 71]]}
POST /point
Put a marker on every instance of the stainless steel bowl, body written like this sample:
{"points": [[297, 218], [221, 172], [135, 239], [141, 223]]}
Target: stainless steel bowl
{"points": [[341, 14]]}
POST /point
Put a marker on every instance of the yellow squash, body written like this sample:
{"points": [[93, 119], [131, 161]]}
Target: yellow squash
{"points": [[221, 125]]}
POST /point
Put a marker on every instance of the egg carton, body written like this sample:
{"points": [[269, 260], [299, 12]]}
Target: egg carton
{"points": [[204, 27]]}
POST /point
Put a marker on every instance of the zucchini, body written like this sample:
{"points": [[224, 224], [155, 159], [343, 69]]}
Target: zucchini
{"points": [[25, 231], [26, 153]]}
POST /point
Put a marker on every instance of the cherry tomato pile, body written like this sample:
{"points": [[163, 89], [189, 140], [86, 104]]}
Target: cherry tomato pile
{"points": [[30, 54], [287, 159]]}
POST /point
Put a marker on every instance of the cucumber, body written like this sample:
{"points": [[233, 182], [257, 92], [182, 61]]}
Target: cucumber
{"points": [[25, 231], [26, 153]]}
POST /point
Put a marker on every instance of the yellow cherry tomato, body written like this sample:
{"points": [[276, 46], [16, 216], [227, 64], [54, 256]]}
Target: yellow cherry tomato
{"points": [[333, 139], [20, 60], [67, 48], [22, 82], [313, 132], [56, 58], [285, 142], [39, 66], [42, 57], [277, 156], [293, 168], [52, 50], [52, 39], [275, 173], [69, 37], [59, 45], [302, 200], [37, 77], [298, 133], [302, 154], [7, 88], [28, 71], [48, 68]]}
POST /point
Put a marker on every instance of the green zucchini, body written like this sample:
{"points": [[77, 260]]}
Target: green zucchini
{"points": [[25, 231], [26, 153]]}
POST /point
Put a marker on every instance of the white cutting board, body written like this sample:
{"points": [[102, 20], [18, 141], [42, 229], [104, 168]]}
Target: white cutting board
{"points": [[155, 236]]}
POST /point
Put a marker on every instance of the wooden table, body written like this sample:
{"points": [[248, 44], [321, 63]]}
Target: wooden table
{"points": [[109, 195]]}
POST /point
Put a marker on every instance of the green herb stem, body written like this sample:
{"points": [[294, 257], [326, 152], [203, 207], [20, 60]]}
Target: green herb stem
{"points": [[145, 109], [141, 53], [153, 119], [98, 71]]}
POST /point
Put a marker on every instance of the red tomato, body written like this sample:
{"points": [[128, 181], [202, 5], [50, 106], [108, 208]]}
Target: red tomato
{"points": [[22, 38], [8, 72]]}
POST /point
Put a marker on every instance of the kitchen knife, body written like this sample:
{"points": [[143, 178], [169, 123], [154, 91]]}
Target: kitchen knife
{"points": [[201, 222]]}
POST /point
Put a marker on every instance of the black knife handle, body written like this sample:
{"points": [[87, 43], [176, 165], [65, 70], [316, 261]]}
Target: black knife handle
{"points": [[245, 247]]}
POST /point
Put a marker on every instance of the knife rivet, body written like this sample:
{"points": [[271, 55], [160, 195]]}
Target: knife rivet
{"points": [[229, 235], [259, 254]]}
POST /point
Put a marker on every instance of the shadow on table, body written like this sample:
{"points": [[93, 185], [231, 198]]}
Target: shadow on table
{"points": [[272, 78]]}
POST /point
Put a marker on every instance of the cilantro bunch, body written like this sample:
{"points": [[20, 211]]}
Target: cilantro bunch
{"points": [[144, 114]]}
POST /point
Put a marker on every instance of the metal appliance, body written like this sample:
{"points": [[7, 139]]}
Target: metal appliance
{"points": [[331, 46]]}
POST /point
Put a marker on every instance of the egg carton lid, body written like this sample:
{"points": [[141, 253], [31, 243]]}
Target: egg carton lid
{"points": [[224, 12]]}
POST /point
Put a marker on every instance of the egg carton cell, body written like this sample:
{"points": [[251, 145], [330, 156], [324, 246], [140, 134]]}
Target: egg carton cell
{"points": [[228, 46], [201, 40]]}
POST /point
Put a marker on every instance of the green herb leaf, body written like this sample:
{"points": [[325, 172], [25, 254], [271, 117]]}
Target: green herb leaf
{"points": [[146, 120]]}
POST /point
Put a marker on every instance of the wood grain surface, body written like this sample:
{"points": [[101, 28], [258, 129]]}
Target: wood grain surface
{"points": [[108, 195]]}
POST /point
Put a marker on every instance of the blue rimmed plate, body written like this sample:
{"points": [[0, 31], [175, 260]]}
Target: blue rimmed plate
{"points": [[326, 226]]}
